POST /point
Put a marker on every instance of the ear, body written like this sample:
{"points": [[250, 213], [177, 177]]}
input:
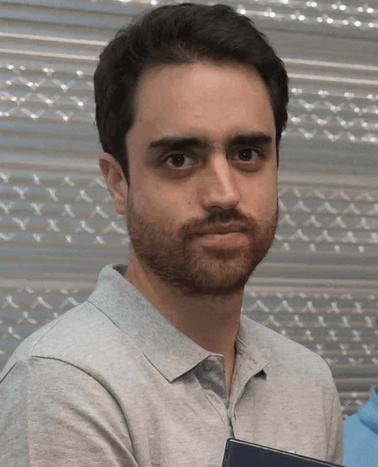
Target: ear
{"points": [[115, 181]]}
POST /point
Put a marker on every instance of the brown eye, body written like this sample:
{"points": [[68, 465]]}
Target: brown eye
{"points": [[179, 161], [247, 155]]}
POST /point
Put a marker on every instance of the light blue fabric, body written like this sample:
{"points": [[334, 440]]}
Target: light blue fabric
{"points": [[361, 435]]}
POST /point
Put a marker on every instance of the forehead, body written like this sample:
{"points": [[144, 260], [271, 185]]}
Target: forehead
{"points": [[202, 98]]}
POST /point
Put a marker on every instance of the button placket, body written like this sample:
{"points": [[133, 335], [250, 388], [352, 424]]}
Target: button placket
{"points": [[212, 380]]}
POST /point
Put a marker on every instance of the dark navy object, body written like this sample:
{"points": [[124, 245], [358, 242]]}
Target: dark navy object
{"points": [[242, 454]]}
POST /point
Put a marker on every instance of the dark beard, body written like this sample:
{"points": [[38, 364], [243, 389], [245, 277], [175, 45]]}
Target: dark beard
{"points": [[169, 254]]}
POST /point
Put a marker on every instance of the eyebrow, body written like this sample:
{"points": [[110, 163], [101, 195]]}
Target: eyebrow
{"points": [[249, 139], [174, 143]]}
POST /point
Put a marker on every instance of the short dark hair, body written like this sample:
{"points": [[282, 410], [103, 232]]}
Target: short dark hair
{"points": [[179, 34]]}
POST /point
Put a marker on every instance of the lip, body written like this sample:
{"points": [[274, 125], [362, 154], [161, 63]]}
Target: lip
{"points": [[222, 230], [230, 239]]}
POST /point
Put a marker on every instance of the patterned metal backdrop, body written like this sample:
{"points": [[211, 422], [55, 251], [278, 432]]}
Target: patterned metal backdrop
{"points": [[319, 285]]}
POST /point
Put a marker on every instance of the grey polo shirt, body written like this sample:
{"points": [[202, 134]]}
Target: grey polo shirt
{"points": [[113, 383]]}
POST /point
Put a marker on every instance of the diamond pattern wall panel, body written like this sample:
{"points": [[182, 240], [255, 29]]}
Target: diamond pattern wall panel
{"points": [[319, 283]]}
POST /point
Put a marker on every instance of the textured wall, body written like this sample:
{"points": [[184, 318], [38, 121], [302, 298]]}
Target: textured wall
{"points": [[319, 284]]}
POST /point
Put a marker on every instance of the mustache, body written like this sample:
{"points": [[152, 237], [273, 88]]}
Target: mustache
{"points": [[222, 219]]}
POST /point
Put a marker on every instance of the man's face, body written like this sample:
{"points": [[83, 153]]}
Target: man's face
{"points": [[202, 202]]}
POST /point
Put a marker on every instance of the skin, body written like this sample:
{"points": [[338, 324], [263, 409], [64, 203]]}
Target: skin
{"points": [[200, 219]]}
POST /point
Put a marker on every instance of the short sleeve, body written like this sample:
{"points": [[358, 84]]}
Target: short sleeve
{"points": [[54, 414]]}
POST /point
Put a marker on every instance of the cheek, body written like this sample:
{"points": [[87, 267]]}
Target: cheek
{"points": [[269, 201], [162, 205], [259, 195]]}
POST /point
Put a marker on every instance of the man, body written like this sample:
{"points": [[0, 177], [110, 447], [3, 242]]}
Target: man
{"points": [[157, 368], [361, 435]]}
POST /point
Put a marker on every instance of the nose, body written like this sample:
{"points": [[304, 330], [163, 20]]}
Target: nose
{"points": [[219, 186]]}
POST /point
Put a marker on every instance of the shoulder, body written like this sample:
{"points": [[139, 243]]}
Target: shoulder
{"points": [[286, 356], [360, 443], [360, 426], [82, 337]]}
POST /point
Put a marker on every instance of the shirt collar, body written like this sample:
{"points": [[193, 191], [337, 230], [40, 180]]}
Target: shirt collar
{"points": [[157, 338], [369, 412], [247, 349]]}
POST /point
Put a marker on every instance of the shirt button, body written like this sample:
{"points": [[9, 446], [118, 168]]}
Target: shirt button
{"points": [[207, 366]]}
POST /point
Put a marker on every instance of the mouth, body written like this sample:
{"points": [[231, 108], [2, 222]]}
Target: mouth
{"points": [[222, 230], [221, 239]]}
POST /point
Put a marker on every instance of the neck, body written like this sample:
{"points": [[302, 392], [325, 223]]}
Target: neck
{"points": [[210, 321]]}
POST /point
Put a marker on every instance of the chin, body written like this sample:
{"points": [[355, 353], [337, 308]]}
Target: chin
{"points": [[217, 277]]}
